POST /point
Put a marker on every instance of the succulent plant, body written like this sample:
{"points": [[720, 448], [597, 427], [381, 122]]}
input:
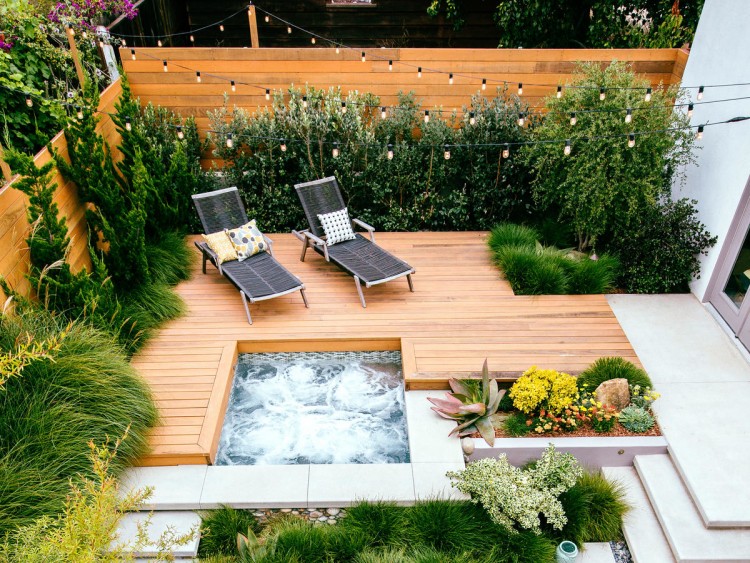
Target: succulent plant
{"points": [[636, 419], [471, 406]]}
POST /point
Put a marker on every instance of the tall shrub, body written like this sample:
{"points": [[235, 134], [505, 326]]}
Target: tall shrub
{"points": [[603, 187]]}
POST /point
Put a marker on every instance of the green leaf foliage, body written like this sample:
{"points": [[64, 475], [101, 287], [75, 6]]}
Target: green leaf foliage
{"points": [[613, 367]]}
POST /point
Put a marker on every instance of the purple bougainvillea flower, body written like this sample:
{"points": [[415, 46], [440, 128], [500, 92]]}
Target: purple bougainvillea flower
{"points": [[6, 45]]}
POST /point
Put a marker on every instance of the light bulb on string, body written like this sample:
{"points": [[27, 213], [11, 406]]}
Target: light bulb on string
{"points": [[426, 116], [566, 150], [71, 31], [628, 115], [192, 38], [602, 94], [132, 54], [158, 43], [128, 126], [335, 151], [506, 150], [631, 140], [304, 102], [690, 110], [521, 119], [450, 78], [84, 34], [283, 145], [123, 43], [484, 83], [79, 113], [446, 152], [268, 94], [364, 58], [289, 29], [699, 97], [230, 142], [648, 94], [699, 133], [233, 86], [573, 118], [390, 151], [419, 72], [520, 88], [180, 134], [267, 18], [29, 101], [312, 40], [390, 65], [221, 27], [559, 91], [198, 76], [337, 50], [382, 113], [472, 119], [164, 62], [343, 107]]}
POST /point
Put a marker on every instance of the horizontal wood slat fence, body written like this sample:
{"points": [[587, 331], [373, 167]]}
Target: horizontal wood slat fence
{"points": [[279, 68], [14, 225]]}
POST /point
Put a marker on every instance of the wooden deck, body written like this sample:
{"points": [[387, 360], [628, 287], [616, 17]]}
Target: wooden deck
{"points": [[460, 313]]}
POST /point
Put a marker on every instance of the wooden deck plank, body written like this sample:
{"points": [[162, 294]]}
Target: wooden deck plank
{"points": [[461, 312]]}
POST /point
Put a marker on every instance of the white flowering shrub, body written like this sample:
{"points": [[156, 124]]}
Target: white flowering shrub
{"points": [[516, 497]]}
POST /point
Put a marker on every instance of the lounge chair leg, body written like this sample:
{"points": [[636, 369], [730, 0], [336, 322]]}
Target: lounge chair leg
{"points": [[247, 309], [304, 297], [411, 285], [304, 250], [359, 290], [204, 261]]}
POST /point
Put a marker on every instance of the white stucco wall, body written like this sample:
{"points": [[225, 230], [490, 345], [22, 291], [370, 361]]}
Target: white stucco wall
{"points": [[720, 55]]}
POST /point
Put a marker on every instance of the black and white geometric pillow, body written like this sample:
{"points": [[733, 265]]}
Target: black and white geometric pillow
{"points": [[337, 226]]}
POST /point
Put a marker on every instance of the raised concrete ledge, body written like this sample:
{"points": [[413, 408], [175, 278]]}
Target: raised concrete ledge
{"points": [[344, 485], [181, 522], [592, 452], [256, 486], [173, 488]]}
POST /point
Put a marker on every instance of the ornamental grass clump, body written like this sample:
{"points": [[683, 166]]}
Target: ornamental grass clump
{"points": [[514, 497], [613, 367], [543, 389]]}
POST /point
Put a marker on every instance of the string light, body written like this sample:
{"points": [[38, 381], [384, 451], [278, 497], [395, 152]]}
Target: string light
{"points": [[79, 113], [164, 62], [312, 40], [690, 110], [390, 151], [700, 93], [559, 91], [221, 27], [426, 116], [230, 142], [180, 134], [343, 107], [267, 18], [289, 29], [573, 118], [506, 150], [128, 126], [233, 86], [132, 54], [446, 152], [390, 65], [648, 95], [602, 94], [71, 31], [29, 101], [699, 133], [419, 72], [450, 78], [123, 43], [382, 113], [472, 119], [84, 34], [283, 145], [158, 43], [198, 76], [304, 102], [484, 83], [520, 88], [628, 115], [521, 119], [335, 151], [631, 140], [268, 94], [192, 39], [566, 150], [363, 57]]}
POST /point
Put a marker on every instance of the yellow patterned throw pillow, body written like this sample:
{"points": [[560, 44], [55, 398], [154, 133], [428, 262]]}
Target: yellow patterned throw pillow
{"points": [[222, 246], [247, 240]]}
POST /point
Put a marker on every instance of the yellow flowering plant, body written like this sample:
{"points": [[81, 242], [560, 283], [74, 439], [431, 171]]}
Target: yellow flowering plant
{"points": [[543, 389]]}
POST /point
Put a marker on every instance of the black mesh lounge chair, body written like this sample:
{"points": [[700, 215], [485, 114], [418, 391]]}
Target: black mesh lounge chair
{"points": [[257, 278], [360, 257]]}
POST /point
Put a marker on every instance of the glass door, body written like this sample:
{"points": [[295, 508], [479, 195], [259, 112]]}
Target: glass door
{"points": [[730, 284]]}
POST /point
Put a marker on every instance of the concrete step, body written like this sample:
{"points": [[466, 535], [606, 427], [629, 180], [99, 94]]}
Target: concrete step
{"points": [[641, 528], [179, 522], [682, 524]]}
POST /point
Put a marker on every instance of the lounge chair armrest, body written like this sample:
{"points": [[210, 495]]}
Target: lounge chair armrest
{"points": [[316, 240], [369, 228], [269, 242]]}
